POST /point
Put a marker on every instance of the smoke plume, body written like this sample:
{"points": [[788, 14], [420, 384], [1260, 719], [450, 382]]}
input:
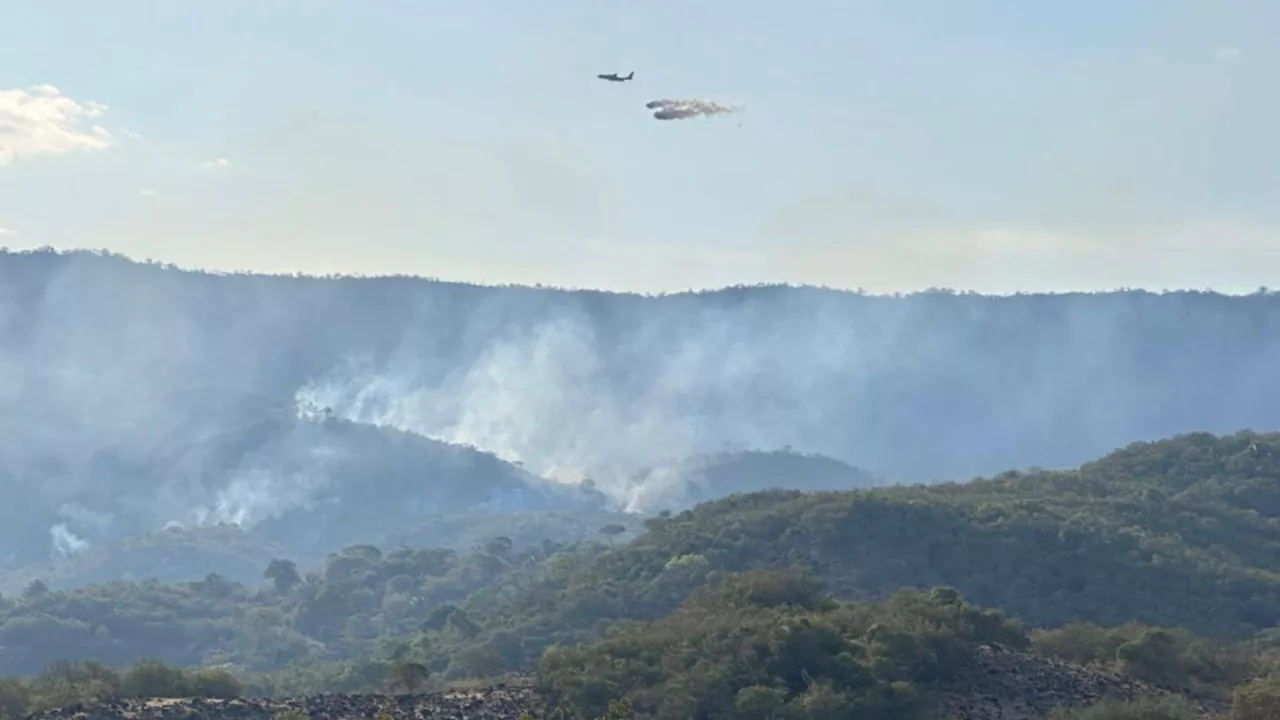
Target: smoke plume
{"points": [[65, 542], [133, 395], [542, 397], [680, 109]]}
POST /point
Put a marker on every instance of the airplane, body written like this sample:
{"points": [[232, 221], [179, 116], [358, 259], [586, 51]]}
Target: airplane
{"points": [[613, 77]]}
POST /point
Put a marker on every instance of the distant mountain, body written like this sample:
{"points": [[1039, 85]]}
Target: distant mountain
{"points": [[315, 410]]}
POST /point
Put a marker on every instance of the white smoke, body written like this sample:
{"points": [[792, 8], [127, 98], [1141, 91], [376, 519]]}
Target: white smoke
{"points": [[252, 496], [65, 542], [257, 492], [528, 398], [693, 107], [625, 412]]}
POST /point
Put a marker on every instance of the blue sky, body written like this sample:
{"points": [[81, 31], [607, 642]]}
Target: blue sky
{"points": [[997, 146]]}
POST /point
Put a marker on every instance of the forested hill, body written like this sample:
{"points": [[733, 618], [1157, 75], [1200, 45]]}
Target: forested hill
{"points": [[133, 395], [606, 385], [1178, 533]]}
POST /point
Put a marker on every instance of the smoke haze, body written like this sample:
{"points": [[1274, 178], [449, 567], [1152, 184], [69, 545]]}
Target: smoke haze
{"points": [[134, 396]]}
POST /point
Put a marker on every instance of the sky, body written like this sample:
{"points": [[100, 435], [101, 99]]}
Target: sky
{"points": [[896, 145]]}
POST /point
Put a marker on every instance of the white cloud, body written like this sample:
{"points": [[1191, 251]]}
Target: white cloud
{"points": [[40, 120], [6, 232], [218, 164], [1227, 53], [148, 192]]}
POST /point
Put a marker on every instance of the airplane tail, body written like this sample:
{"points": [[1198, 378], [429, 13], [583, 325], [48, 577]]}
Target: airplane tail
{"points": [[631, 74]]}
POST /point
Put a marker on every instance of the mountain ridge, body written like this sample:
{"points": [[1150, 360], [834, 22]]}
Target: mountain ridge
{"points": [[988, 382]]}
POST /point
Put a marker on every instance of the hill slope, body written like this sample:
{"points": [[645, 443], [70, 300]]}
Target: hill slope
{"points": [[1176, 533], [324, 486], [100, 352], [748, 646], [770, 644], [308, 487]]}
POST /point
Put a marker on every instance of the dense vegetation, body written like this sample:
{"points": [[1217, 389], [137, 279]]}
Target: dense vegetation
{"points": [[1175, 534], [1160, 559], [66, 683], [767, 643], [359, 597], [176, 555]]}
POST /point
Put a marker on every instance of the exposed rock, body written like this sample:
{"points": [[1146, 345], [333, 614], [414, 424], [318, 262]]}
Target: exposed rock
{"points": [[499, 703], [1000, 684], [1005, 684]]}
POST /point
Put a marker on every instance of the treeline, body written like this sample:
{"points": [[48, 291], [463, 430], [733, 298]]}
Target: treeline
{"points": [[773, 644], [65, 683], [358, 598], [766, 645]]}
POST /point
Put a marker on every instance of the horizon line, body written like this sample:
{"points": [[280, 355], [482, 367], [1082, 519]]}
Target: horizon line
{"points": [[1263, 291]]}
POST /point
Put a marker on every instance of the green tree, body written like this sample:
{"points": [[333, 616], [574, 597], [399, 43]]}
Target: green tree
{"points": [[619, 710], [612, 530], [1256, 700], [1153, 656], [759, 702], [35, 589], [499, 547], [15, 699], [283, 574], [407, 675], [154, 679]]}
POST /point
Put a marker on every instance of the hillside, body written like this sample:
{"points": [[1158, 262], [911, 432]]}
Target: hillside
{"points": [[769, 644], [1002, 683], [301, 487], [104, 360], [380, 487], [746, 647], [170, 555], [316, 413], [1179, 533], [1148, 573]]}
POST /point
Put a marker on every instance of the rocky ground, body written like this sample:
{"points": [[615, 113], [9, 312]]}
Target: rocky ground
{"points": [[1002, 684], [499, 703], [1007, 684]]}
